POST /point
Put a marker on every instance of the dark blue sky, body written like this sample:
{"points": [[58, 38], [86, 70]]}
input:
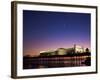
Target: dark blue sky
{"points": [[44, 30]]}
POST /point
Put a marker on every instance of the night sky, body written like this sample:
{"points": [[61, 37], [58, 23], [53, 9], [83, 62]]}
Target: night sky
{"points": [[44, 30]]}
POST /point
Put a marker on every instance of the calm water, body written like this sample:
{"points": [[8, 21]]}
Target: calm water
{"points": [[33, 63]]}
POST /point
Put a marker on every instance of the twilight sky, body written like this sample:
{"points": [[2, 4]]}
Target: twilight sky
{"points": [[44, 30]]}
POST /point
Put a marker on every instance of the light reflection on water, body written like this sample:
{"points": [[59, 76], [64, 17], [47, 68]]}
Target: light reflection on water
{"points": [[58, 62]]}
